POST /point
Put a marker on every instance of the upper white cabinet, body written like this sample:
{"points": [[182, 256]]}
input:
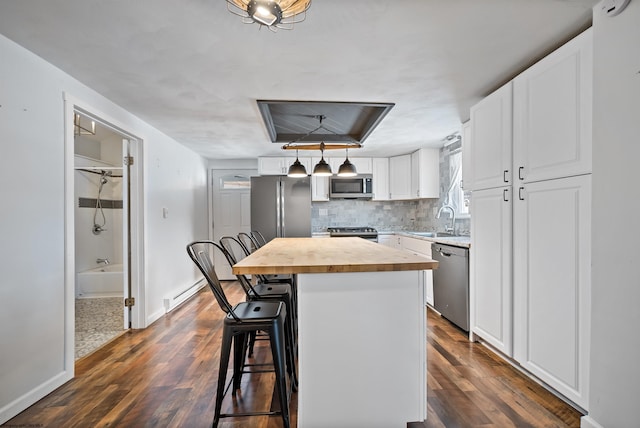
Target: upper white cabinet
{"points": [[363, 165], [466, 155], [552, 285], [280, 165], [400, 177], [425, 173], [380, 171], [490, 267], [319, 185], [491, 133], [552, 102]]}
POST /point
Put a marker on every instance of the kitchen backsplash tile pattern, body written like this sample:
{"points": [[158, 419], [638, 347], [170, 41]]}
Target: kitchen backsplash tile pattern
{"points": [[388, 215]]}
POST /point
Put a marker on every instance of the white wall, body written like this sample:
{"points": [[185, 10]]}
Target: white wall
{"points": [[615, 342], [33, 291]]}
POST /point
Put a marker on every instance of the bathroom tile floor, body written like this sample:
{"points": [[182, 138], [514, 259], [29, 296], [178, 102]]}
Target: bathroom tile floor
{"points": [[97, 322]]}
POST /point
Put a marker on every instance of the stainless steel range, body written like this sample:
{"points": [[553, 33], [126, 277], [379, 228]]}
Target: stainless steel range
{"points": [[368, 233]]}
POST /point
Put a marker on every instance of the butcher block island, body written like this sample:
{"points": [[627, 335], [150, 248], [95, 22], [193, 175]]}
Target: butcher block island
{"points": [[361, 329]]}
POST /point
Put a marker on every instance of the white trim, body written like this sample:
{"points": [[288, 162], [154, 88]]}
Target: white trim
{"points": [[137, 266], [24, 401], [588, 422]]}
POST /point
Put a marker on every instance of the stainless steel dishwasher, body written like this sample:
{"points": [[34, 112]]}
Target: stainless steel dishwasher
{"points": [[451, 283]]}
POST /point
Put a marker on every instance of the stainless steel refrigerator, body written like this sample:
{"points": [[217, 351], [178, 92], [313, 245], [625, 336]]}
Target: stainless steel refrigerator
{"points": [[281, 206]]}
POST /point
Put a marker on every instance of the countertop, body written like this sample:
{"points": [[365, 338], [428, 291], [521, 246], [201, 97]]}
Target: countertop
{"points": [[457, 241], [312, 255]]}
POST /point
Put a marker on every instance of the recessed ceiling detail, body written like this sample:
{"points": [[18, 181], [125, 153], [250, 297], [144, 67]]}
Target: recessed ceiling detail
{"points": [[291, 121]]}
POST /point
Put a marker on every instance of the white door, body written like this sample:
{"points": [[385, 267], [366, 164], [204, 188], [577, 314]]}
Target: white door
{"points": [[490, 267], [231, 200], [126, 252], [552, 285], [491, 132]]}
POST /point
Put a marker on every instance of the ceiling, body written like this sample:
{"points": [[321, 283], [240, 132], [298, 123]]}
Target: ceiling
{"points": [[195, 72]]}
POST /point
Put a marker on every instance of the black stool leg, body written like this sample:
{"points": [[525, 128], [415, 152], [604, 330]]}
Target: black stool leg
{"points": [[278, 349], [239, 349], [225, 351]]}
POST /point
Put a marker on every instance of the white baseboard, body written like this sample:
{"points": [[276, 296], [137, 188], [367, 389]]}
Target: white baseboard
{"points": [[588, 422], [23, 402]]}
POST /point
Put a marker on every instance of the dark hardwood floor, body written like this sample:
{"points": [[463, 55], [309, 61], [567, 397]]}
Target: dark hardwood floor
{"points": [[165, 376]]}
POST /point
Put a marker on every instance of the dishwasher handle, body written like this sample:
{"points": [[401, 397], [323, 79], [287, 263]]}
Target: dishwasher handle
{"points": [[444, 253]]}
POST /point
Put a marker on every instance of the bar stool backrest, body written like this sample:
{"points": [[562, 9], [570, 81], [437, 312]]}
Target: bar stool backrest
{"points": [[234, 252], [248, 242], [258, 237], [201, 252]]}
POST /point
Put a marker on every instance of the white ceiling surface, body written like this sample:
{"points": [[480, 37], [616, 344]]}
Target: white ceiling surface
{"points": [[194, 71]]}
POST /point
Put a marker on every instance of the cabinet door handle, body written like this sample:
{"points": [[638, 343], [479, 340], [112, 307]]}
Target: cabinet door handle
{"points": [[504, 176], [520, 193], [505, 195], [520, 170]]}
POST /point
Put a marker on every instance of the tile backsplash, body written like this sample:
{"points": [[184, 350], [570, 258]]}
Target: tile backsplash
{"points": [[388, 215]]}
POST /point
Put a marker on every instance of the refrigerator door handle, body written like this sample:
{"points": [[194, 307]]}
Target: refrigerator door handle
{"points": [[283, 220], [278, 209]]}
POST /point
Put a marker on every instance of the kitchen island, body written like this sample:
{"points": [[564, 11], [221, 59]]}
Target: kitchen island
{"points": [[361, 329]]}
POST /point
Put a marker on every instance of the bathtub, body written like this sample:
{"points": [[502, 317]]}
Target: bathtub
{"points": [[102, 281]]}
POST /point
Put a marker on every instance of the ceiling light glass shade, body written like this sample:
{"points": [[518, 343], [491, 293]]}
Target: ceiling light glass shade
{"points": [[273, 14], [297, 169], [347, 169], [322, 168]]}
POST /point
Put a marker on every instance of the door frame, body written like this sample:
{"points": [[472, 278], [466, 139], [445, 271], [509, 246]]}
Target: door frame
{"points": [[136, 229]]}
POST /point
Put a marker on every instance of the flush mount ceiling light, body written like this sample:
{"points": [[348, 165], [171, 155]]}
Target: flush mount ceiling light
{"points": [[297, 169], [273, 14]]}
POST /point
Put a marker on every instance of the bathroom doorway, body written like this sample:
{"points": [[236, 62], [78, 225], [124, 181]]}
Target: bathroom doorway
{"points": [[106, 258]]}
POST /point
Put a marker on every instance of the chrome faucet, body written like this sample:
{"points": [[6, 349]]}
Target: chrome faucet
{"points": [[105, 261], [453, 218]]}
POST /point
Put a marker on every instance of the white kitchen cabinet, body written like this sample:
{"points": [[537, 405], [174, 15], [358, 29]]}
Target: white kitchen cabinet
{"points": [[490, 279], [380, 171], [466, 155], [319, 185], [386, 239], [280, 165], [552, 114], [491, 133], [425, 173], [552, 297], [400, 177], [363, 165], [421, 247]]}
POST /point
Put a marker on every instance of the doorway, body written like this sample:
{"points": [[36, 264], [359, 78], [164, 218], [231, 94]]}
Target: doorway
{"points": [[103, 181], [230, 200]]}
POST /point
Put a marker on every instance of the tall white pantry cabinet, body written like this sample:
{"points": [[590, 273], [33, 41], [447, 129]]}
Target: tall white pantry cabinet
{"points": [[531, 218]]}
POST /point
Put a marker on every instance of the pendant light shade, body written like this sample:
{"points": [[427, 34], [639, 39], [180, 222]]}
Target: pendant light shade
{"points": [[297, 169], [322, 168], [347, 169]]}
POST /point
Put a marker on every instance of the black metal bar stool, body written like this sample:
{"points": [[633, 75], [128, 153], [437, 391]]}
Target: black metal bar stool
{"points": [[241, 320], [234, 251]]}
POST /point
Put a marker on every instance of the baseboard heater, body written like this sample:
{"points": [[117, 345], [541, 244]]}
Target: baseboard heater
{"points": [[172, 302]]}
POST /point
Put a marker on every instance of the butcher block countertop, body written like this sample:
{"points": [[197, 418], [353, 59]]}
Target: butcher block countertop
{"points": [[313, 255]]}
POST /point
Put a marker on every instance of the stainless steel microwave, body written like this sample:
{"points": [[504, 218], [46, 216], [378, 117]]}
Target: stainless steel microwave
{"points": [[358, 187]]}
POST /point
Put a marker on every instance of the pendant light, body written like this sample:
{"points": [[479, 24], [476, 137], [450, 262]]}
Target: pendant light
{"points": [[322, 168], [297, 169], [347, 169]]}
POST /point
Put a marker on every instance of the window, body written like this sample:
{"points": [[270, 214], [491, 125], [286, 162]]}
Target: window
{"points": [[455, 195], [235, 182]]}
